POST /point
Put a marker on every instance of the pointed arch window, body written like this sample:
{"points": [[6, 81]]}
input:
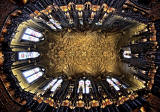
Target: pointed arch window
{"points": [[27, 55], [56, 85], [55, 23], [88, 86], [34, 77], [113, 84], [118, 83], [81, 87], [50, 84], [31, 35], [84, 86], [127, 52], [51, 26], [32, 32], [33, 74]]}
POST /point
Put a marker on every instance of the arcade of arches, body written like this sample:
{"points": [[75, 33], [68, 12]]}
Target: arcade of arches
{"points": [[80, 56]]}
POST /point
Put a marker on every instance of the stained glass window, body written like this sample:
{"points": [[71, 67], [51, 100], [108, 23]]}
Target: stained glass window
{"points": [[81, 86], [56, 85], [50, 84], [30, 38], [88, 86], [32, 74], [31, 35], [118, 83], [84, 86], [112, 84], [127, 52], [34, 77], [27, 55], [51, 26], [55, 23]]}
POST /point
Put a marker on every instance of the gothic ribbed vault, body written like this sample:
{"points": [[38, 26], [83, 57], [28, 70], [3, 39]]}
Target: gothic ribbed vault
{"points": [[81, 55]]}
